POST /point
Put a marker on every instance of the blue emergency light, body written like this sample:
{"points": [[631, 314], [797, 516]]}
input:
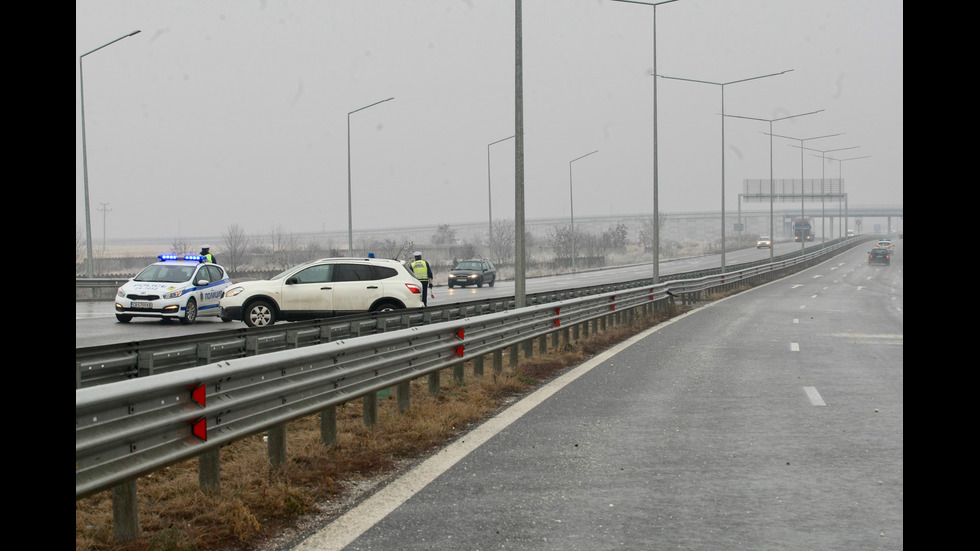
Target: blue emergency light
{"points": [[191, 257]]}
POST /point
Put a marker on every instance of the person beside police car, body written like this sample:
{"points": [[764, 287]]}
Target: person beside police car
{"points": [[422, 271], [206, 254]]}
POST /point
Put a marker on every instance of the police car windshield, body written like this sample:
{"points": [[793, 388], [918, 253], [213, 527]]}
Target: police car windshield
{"points": [[165, 273]]}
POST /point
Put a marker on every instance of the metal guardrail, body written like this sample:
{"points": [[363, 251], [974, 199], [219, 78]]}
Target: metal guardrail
{"points": [[118, 362], [128, 429], [125, 430]]}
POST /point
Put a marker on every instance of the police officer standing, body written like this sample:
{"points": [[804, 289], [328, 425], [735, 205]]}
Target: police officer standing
{"points": [[206, 253], [422, 272]]}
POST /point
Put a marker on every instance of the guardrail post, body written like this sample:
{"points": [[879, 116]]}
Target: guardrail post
{"points": [[458, 373], [370, 408], [403, 393], [277, 446], [144, 365], [498, 361], [209, 471], [513, 356], [528, 348], [543, 344], [478, 366], [125, 522], [434, 383], [328, 426]]}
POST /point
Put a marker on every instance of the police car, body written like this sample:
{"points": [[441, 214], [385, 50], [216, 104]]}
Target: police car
{"points": [[178, 286]]}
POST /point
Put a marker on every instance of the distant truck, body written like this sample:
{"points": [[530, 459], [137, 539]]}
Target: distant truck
{"points": [[802, 230]]}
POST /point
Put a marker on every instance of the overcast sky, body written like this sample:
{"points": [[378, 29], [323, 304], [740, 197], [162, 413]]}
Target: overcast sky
{"points": [[225, 112]]}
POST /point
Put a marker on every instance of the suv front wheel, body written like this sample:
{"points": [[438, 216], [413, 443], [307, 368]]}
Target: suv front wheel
{"points": [[259, 314]]}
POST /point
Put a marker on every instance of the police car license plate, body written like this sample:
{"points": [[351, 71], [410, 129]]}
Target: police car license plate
{"points": [[142, 305]]}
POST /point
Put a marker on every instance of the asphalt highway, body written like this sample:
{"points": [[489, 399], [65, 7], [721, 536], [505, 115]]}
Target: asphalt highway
{"points": [[772, 419]]}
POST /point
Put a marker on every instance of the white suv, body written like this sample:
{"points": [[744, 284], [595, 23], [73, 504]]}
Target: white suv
{"points": [[323, 288]]}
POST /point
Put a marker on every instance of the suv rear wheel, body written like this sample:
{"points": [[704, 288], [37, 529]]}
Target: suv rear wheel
{"points": [[386, 306]]}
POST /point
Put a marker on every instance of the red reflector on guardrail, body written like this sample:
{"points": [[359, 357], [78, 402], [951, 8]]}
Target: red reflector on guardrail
{"points": [[199, 395], [459, 333], [200, 428], [459, 351]]}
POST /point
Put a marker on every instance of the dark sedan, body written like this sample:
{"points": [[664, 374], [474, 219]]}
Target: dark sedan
{"points": [[475, 271], [880, 255]]}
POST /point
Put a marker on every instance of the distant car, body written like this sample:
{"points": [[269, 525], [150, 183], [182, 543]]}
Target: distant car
{"points": [[885, 243], [880, 255], [763, 241], [476, 271], [176, 287], [323, 288]]}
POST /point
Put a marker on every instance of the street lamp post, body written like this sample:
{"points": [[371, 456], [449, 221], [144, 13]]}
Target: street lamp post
{"points": [[571, 203], [771, 196], [823, 192], [350, 223], [802, 184], [490, 198], [90, 270], [656, 200], [840, 176], [722, 86]]}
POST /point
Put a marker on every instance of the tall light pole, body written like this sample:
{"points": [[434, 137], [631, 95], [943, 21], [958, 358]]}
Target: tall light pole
{"points": [[840, 176], [571, 202], [520, 259], [771, 195], [802, 186], [656, 200], [350, 222], [105, 210], [722, 86], [823, 192], [490, 197], [90, 270]]}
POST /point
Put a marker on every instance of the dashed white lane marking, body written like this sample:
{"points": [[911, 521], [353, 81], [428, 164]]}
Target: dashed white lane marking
{"points": [[794, 347], [814, 396]]}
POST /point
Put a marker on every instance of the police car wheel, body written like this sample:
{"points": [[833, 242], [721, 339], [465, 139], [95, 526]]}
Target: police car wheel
{"points": [[259, 314], [122, 318], [190, 312]]}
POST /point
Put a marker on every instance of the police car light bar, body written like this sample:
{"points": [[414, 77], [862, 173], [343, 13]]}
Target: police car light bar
{"points": [[191, 257]]}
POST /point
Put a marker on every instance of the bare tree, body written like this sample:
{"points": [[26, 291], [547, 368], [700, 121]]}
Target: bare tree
{"points": [[444, 236], [646, 234], [389, 248], [180, 246], [235, 244], [504, 233], [283, 247]]}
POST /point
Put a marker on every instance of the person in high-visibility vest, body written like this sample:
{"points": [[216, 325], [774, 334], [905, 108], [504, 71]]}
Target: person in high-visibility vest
{"points": [[206, 253], [422, 272]]}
